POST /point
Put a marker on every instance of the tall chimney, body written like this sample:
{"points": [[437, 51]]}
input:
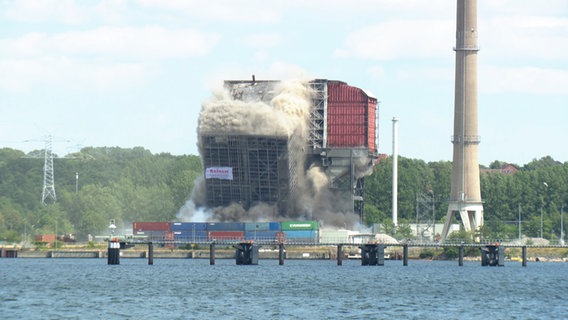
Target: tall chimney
{"points": [[395, 173], [465, 197]]}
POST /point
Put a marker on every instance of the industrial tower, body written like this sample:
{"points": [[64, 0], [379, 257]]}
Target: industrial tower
{"points": [[465, 197], [48, 176]]}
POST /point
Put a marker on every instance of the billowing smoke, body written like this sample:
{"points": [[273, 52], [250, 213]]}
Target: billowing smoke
{"points": [[281, 110]]}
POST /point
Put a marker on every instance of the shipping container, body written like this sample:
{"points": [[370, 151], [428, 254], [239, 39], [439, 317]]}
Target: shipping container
{"points": [[188, 226], [45, 238], [186, 236], [150, 233], [299, 225], [310, 236], [150, 226], [225, 226], [274, 226], [261, 235], [262, 226], [225, 235]]}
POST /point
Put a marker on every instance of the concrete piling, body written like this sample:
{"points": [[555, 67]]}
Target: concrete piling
{"points": [[246, 253], [212, 254], [281, 254], [113, 256]]}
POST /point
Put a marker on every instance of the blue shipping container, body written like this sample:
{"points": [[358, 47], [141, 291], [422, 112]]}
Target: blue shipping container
{"points": [[150, 233], [188, 226], [261, 235], [225, 226], [262, 226], [301, 235]]}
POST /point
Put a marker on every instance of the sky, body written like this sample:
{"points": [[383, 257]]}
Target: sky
{"points": [[129, 73]]}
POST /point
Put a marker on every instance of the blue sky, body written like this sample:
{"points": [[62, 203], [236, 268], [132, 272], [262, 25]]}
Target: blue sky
{"points": [[135, 73]]}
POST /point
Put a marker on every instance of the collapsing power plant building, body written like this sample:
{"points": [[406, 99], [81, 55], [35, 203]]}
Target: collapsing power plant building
{"points": [[287, 149]]}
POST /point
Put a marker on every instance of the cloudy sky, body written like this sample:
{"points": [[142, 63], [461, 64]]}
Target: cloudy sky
{"points": [[135, 72]]}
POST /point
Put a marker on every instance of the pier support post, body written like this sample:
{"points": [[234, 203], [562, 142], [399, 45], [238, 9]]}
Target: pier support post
{"points": [[246, 253], [381, 255], [339, 254], [492, 255], [524, 256], [212, 253], [500, 256], [150, 253], [369, 254], [405, 254], [113, 254], [460, 256], [281, 254]]}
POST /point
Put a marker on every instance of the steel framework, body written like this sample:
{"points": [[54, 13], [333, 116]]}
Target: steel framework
{"points": [[260, 170]]}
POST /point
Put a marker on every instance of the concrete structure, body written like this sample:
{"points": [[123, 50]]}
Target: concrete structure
{"points": [[465, 197]]}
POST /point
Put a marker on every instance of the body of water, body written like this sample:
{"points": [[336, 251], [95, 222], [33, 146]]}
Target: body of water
{"points": [[300, 289]]}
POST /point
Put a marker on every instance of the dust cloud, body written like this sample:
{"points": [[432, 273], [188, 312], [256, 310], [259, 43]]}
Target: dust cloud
{"points": [[281, 109]]}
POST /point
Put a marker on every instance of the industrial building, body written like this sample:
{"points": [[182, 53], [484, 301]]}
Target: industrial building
{"points": [[335, 138]]}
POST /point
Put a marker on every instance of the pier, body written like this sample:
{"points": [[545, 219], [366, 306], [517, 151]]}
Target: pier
{"points": [[372, 254], [248, 252]]}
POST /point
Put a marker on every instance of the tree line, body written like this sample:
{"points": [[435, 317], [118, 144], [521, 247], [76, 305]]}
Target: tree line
{"points": [[96, 185], [92, 187], [533, 197]]}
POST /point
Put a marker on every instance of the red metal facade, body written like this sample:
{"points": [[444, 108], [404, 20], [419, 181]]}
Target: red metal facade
{"points": [[351, 117]]}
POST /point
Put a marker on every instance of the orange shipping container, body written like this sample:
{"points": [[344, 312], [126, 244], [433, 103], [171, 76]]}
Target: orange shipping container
{"points": [[45, 238]]}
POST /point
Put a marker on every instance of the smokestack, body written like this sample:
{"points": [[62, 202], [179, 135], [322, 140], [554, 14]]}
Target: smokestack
{"points": [[395, 172], [253, 79], [465, 197]]}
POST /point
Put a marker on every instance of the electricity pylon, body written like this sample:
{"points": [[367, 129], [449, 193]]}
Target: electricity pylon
{"points": [[48, 192], [48, 174]]}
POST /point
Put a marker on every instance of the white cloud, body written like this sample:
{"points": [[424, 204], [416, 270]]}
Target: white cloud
{"points": [[263, 40], [21, 75], [516, 7], [517, 37], [147, 42], [252, 12], [399, 39], [96, 57], [425, 74], [525, 80], [64, 11]]}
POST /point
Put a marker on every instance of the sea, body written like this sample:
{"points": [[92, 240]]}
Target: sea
{"points": [[35, 288]]}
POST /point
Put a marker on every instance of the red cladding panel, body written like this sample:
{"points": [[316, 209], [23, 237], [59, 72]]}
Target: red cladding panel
{"points": [[350, 117]]}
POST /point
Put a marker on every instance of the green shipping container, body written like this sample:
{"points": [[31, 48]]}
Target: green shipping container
{"points": [[299, 225]]}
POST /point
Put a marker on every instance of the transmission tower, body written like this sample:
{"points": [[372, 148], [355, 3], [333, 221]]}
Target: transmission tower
{"points": [[48, 175], [426, 215]]}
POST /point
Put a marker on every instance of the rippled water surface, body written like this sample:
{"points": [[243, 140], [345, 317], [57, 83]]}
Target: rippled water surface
{"points": [[192, 289]]}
